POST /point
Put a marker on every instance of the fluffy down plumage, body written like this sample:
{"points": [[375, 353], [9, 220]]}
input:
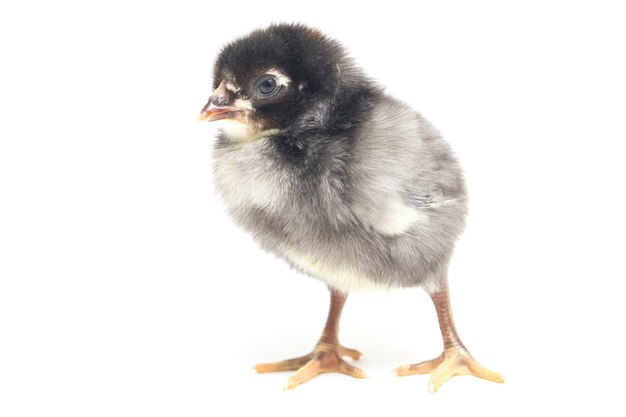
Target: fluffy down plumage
{"points": [[344, 182]]}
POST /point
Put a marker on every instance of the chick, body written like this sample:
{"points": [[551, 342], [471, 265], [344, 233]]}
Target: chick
{"points": [[342, 181]]}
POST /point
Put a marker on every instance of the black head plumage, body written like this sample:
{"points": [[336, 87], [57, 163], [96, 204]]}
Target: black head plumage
{"points": [[311, 71]]}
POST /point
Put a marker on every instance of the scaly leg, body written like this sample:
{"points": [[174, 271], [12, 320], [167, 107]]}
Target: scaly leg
{"points": [[326, 356], [455, 359]]}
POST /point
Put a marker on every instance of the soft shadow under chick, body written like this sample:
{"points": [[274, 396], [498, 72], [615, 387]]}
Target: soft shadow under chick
{"points": [[343, 182]]}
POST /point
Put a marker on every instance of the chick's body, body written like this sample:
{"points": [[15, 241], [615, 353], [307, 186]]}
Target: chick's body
{"points": [[376, 205], [342, 181]]}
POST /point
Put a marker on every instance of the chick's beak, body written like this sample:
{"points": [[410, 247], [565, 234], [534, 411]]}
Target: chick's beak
{"points": [[220, 106]]}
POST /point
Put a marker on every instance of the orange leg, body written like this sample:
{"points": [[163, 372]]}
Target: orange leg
{"points": [[326, 356], [455, 359]]}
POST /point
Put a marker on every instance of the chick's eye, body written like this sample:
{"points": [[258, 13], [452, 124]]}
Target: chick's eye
{"points": [[266, 86]]}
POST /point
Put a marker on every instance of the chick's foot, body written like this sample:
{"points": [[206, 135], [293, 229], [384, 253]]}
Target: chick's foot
{"points": [[325, 358], [453, 361]]}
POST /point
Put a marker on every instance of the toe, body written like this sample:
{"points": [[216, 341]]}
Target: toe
{"points": [[346, 368], [445, 371], [307, 372], [426, 367], [286, 365], [481, 372], [351, 353]]}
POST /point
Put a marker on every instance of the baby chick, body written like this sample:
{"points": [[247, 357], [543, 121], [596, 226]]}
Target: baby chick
{"points": [[342, 181]]}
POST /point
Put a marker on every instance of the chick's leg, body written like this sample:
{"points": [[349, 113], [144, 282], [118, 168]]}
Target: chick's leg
{"points": [[326, 356], [455, 359]]}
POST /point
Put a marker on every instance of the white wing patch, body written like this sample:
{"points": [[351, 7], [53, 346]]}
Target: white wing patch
{"points": [[396, 217]]}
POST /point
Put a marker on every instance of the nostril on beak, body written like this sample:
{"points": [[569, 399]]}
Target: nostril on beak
{"points": [[220, 97], [219, 101]]}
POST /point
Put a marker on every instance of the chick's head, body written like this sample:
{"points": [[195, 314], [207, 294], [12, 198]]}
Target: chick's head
{"points": [[266, 80]]}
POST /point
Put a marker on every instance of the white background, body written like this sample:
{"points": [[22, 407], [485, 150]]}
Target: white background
{"points": [[126, 291]]}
